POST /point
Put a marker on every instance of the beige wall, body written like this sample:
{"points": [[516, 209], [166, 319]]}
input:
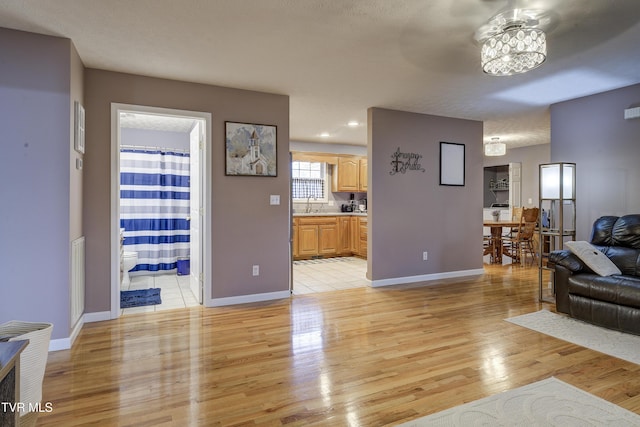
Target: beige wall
{"points": [[411, 213], [246, 230]]}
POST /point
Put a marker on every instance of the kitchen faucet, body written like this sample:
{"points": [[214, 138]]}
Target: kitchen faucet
{"points": [[308, 208]]}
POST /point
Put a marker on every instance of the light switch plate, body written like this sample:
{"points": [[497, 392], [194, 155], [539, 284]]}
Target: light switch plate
{"points": [[274, 199]]}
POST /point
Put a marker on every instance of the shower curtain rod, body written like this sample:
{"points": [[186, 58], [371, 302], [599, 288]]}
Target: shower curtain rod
{"points": [[147, 147]]}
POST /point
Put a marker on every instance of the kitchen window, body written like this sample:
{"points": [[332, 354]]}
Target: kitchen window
{"points": [[309, 181]]}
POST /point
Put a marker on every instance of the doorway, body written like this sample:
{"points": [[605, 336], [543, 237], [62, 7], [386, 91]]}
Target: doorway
{"points": [[179, 138]]}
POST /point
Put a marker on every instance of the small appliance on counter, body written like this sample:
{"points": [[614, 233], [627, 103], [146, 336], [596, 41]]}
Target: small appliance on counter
{"points": [[346, 207]]}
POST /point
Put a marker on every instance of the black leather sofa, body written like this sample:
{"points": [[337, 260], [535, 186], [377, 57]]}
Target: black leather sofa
{"points": [[609, 301]]}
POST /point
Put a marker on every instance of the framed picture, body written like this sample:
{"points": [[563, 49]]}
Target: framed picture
{"points": [[452, 164], [78, 137], [251, 149]]}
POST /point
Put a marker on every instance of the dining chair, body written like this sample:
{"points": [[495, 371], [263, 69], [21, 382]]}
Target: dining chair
{"points": [[521, 244], [516, 215]]}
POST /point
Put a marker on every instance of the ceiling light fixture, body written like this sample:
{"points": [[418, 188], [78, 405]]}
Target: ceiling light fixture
{"points": [[325, 135], [495, 147], [353, 124], [514, 42]]}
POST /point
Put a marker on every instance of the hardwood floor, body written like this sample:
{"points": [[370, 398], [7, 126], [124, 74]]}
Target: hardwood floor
{"points": [[357, 357]]}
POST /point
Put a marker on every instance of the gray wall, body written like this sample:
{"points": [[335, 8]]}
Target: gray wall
{"points": [[411, 213], [246, 230], [591, 131], [40, 78]]}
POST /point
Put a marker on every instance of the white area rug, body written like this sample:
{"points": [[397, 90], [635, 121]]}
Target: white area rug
{"points": [[607, 341], [550, 402]]}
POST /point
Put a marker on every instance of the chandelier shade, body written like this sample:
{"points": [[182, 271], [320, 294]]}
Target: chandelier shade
{"points": [[514, 51], [514, 41], [495, 148]]}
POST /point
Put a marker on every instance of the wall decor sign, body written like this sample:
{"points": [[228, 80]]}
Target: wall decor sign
{"points": [[403, 162], [452, 164], [250, 149]]}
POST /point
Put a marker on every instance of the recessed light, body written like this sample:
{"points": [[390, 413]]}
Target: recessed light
{"points": [[353, 124], [325, 135]]}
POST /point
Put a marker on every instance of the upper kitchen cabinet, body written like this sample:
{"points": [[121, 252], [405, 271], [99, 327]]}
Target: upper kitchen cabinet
{"points": [[348, 174], [351, 174], [362, 184]]}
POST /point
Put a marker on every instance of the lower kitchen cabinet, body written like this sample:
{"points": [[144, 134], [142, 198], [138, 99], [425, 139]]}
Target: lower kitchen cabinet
{"points": [[327, 236], [344, 235], [317, 236], [362, 236]]}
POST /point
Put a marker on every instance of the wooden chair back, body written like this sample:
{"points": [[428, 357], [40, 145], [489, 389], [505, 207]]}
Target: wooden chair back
{"points": [[530, 214]]}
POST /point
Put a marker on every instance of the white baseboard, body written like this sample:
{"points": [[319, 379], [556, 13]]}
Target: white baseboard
{"points": [[67, 343], [244, 299], [97, 317], [425, 277]]}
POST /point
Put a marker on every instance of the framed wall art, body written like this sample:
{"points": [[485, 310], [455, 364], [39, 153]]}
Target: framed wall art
{"points": [[452, 164], [251, 149]]}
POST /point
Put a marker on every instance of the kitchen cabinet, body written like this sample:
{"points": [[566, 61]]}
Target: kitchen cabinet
{"points": [[362, 235], [328, 236], [362, 170], [294, 238], [347, 174], [344, 235], [354, 234], [317, 236], [328, 239]]}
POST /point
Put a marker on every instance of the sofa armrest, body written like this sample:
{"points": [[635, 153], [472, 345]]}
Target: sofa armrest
{"points": [[568, 260], [561, 287]]}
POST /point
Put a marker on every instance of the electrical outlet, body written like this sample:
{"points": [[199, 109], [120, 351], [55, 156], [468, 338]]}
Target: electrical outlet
{"points": [[425, 255], [256, 270]]}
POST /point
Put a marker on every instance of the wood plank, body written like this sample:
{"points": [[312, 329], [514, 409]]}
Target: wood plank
{"points": [[354, 357]]}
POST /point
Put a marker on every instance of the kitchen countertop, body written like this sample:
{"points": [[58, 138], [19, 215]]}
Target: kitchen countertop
{"points": [[330, 214]]}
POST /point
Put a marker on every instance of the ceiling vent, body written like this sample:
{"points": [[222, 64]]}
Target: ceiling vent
{"points": [[632, 113]]}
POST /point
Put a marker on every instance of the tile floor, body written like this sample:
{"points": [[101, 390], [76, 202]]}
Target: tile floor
{"points": [[175, 292], [329, 274], [321, 275]]}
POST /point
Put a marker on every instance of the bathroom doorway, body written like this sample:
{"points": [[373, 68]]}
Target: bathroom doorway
{"points": [[163, 222]]}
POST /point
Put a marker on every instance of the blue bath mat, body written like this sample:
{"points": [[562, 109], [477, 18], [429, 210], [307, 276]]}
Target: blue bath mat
{"points": [[140, 297]]}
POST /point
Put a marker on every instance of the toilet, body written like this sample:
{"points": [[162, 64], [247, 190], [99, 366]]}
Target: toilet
{"points": [[129, 260]]}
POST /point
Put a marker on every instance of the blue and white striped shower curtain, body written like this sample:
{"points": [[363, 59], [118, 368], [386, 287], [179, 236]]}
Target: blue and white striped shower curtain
{"points": [[154, 206]]}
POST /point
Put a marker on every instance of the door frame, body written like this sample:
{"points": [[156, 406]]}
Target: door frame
{"points": [[205, 161]]}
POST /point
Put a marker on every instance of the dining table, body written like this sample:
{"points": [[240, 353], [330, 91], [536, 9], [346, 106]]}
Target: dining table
{"points": [[496, 247]]}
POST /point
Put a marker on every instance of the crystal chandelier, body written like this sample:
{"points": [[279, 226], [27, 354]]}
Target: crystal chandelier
{"points": [[513, 42], [495, 147]]}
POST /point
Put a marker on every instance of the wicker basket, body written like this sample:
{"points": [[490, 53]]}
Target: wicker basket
{"points": [[33, 360]]}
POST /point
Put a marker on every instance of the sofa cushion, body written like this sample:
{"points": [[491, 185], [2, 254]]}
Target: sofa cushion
{"points": [[617, 231], [626, 259], [595, 259], [622, 290]]}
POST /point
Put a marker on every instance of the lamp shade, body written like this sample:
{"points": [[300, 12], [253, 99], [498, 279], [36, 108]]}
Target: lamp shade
{"points": [[557, 180]]}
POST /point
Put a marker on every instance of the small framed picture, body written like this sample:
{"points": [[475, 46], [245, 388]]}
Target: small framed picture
{"points": [[251, 149], [452, 164]]}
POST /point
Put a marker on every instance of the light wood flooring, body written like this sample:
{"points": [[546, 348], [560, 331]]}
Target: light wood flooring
{"points": [[354, 357]]}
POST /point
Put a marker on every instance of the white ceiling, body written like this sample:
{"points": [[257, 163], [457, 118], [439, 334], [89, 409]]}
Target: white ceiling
{"points": [[336, 58]]}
